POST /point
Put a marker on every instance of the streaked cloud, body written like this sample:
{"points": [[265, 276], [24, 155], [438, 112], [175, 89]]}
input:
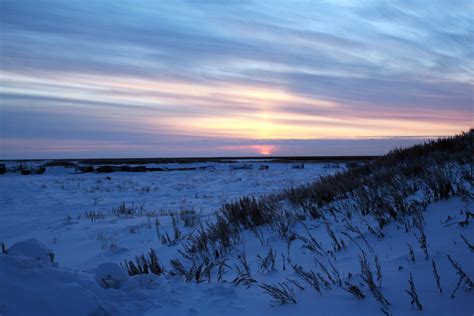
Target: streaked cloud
{"points": [[199, 77]]}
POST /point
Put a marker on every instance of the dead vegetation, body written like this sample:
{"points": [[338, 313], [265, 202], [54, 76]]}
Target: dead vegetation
{"points": [[352, 205], [282, 293], [415, 301], [464, 280], [144, 264], [436, 276]]}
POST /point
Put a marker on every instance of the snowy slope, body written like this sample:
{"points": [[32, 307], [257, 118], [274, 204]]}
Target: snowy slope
{"points": [[31, 287], [325, 249]]}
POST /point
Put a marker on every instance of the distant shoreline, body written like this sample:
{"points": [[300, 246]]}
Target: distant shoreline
{"points": [[99, 161]]}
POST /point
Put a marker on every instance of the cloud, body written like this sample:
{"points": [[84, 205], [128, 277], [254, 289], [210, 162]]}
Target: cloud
{"points": [[244, 70]]}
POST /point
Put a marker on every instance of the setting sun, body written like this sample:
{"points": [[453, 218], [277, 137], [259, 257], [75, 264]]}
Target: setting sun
{"points": [[266, 149]]}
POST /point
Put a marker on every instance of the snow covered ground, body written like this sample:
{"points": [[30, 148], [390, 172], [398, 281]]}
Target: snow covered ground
{"points": [[92, 222], [52, 207]]}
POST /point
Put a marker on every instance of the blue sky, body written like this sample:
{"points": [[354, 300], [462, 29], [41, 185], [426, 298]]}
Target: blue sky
{"points": [[217, 78]]}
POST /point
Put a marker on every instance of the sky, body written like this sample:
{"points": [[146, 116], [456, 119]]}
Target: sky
{"points": [[116, 78]]}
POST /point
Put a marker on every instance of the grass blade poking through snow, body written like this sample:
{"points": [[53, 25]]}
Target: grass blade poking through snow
{"points": [[282, 293]]}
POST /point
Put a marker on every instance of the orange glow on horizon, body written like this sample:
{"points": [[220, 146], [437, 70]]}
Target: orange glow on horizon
{"points": [[226, 109], [266, 150]]}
